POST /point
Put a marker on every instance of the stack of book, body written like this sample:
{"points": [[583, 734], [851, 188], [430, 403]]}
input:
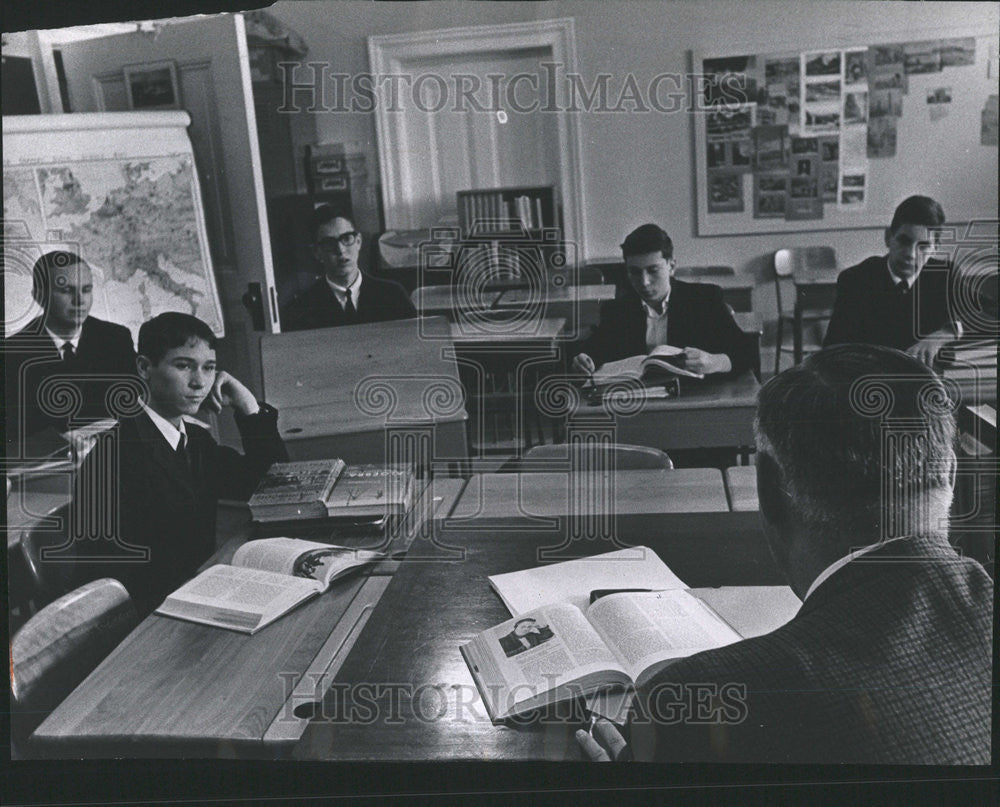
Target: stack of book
{"points": [[368, 496], [969, 360]]}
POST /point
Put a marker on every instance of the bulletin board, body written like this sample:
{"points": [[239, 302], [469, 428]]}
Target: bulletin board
{"points": [[835, 138]]}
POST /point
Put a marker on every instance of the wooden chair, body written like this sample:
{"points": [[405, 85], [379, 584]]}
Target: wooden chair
{"points": [[788, 263], [47, 578], [59, 646], [619, 456]]}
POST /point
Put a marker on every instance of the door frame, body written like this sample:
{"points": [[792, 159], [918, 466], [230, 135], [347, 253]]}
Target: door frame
{"points": [[389, 53]]}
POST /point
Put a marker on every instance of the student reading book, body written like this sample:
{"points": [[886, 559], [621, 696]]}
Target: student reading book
{"points": [[665, 360], [560, 652], [267, 579]]}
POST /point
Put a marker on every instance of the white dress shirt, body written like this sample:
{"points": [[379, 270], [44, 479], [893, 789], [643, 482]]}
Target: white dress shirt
{"points": [[60, 341], [656, 324], [341, 291], [169, 431]]}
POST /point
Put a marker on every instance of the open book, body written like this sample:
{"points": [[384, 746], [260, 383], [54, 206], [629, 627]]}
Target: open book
{"points": [[560, 652], [266, 580], [664, 360], [747, 610]]}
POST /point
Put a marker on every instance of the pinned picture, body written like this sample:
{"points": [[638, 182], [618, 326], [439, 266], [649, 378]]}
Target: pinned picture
{"points": [[715, 155], [855, 107], [823, 64], [152, 86], [882, 137], [856, 67], [830, 178], [819, 121], [956, 52], [742, 155], [819, 91], [829, 148], [885, 104], [922, 57], [725, 192]]}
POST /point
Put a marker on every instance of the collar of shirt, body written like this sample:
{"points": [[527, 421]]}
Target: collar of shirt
{"points": [[169, 431], [840, 563], [59, 341], [900, 281], [655, 313], [341, 291]]}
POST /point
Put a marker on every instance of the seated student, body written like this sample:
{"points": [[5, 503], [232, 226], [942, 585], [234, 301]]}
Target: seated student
{"points": [[344, 295], [665, 311], [166, 473], [899, 300], [889, 659], [65, 342]]}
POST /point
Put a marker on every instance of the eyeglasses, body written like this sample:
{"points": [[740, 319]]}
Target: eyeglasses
{"points": [[348, 239]]}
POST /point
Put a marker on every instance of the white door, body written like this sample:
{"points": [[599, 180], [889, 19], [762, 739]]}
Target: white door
{"points": [[210, 57]]}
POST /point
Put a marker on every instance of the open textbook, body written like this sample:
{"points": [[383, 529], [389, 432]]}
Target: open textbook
{"points": [[662, 361], [560, 652], [642, 633], [266, 580]]}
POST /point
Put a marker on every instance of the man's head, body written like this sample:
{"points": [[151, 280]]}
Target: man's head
{"points": [[649, 262], [62, 284], [177, 361], [855, 444], [337, 245], [525, 626], [912, 235]]}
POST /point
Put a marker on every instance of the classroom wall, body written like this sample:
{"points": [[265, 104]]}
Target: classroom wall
{"points": [[638, 167]]}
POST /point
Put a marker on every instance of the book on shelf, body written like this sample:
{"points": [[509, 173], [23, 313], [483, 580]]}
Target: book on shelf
{"points": [[665, 360], [267, 579], [295, 490], [566, 645]]}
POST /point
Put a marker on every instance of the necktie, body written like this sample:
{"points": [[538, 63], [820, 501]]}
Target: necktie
{"points": [[182, 453], [349, 308], [68, 354]]}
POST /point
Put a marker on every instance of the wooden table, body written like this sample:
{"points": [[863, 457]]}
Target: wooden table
{"points": [[741, 487], [531, 495], [175, 688], [422, 702], [341, 390], [447, 301], [707, 414]]}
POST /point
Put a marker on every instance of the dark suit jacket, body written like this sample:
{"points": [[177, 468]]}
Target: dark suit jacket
{"points": [[164, 506], [888, 661], [697, 316], [870, 309], [105, 354], [317, 307]]}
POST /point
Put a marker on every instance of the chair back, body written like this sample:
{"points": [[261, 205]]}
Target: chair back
{"points": [[48, 577], [798, 259], [61, 645], [619, 456]]}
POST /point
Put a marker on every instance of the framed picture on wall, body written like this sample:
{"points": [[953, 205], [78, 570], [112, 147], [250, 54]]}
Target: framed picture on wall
{"points": [[152, 85]]}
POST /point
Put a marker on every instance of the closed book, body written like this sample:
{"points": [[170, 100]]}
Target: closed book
{"points": [[295, 490], [371, 490]]}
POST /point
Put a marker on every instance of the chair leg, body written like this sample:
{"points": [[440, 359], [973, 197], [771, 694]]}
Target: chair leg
{"points": [[797, 336], [778, 343]]}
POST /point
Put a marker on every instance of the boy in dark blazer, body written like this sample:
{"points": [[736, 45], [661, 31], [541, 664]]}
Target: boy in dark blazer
{"points": [[901, 299], [64, 346], [663, 311], [156, 524], [890, 657], [344, 295]]}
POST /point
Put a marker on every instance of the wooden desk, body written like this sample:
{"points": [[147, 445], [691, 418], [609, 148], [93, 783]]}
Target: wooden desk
{"points": [[737, 290], [175, 688], [580, 306], [503, 496], [446, 301], [741, 486], [340, 389], [544, 331], [410, 644], [707, 414]]}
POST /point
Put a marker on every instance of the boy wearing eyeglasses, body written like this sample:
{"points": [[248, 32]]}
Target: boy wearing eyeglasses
{"points": [[344, 295]]}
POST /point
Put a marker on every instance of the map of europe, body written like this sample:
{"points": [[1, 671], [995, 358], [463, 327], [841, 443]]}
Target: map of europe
{"points": [[134, 221]]}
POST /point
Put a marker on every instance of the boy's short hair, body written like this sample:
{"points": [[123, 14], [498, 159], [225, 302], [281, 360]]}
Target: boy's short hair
{"points": [[917, 210], [41, 273], [648, 238], [324, 214], [169, 330]]}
